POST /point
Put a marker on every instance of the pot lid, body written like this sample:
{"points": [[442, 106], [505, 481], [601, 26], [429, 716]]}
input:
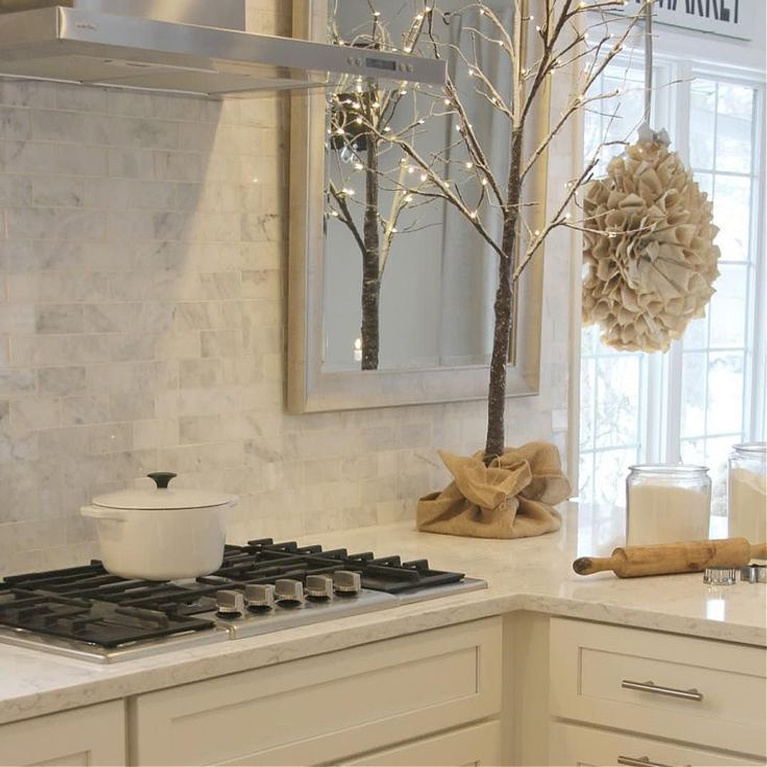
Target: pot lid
{"points": [[162, 497]]}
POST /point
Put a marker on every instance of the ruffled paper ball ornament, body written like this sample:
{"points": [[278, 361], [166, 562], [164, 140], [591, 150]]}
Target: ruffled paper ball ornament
{"points": [[648, 247]]}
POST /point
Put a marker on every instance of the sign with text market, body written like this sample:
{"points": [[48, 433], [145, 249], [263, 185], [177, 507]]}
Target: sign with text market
{"points": [[728, 18]]}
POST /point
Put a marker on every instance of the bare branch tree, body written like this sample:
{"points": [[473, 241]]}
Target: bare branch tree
{"points": [[533, 52], [360, 119]]}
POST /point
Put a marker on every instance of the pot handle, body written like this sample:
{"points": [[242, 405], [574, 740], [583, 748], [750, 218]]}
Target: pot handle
{"points": [[162, 478], [102, 513]]}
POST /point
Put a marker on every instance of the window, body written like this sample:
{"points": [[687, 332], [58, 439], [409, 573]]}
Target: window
{"points": [[707, 393]]}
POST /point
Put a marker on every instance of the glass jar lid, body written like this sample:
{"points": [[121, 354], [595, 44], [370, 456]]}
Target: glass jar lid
{"points": [[751, 448], [670, 469]]}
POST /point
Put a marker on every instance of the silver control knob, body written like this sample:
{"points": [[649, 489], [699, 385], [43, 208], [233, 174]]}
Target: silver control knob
{"points": [[259, 596], [289, 590], [347, 582], [230, 603], [319, 587]]}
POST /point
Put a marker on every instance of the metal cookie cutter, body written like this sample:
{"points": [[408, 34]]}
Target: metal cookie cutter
{"points": [[719, 576], [754, 573]]}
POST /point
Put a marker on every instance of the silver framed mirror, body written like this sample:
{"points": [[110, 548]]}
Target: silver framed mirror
{"points": [[319, 377]]}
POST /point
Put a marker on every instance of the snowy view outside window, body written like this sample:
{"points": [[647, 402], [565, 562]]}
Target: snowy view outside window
{"points": [[694, 402]]}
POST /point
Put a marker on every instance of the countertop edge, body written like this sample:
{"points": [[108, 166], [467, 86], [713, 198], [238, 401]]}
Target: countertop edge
{"points": [[107, 682]]}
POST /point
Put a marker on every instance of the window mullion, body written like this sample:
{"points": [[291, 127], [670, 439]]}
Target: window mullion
{"points": [[672, 404], [671, 367], [653, 418]]}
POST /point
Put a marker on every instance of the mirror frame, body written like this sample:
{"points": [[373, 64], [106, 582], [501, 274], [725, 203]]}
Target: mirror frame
{"points": [[311, 390]]}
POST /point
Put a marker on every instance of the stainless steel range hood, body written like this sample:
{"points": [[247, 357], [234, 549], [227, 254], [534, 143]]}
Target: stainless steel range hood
{"points": [[183, 46]]}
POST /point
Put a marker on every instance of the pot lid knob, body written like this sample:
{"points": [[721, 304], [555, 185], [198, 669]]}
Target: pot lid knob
{"points": [[162, 478]]}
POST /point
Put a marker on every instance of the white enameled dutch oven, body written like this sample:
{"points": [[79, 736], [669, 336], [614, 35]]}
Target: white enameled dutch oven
{"points": [[163, 533]]}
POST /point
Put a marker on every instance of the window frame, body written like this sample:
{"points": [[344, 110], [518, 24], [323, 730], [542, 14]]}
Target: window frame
{"points": [[755, 362], [660, 393]]}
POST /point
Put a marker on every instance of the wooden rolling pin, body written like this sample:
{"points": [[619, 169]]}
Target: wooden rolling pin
{"points": [[668, 558]]}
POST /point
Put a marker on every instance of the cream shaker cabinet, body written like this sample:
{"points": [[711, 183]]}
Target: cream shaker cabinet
{"points": [[94, 735], [350, 706], [708, 696]]}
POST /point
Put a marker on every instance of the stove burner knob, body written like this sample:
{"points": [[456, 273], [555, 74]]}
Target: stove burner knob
{"points": [[319, 587], [259, 597], [347, 582], [289, 592], [230, 604]]}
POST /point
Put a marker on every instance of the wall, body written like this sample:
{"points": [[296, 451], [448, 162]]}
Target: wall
{"points": [[142, 327]]}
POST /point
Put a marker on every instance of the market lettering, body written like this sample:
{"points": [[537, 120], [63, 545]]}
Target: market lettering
{"points": [[727, 11], [719, 10]]}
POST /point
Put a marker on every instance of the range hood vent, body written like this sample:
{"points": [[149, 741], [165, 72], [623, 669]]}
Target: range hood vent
{"points": [[195, 47]]}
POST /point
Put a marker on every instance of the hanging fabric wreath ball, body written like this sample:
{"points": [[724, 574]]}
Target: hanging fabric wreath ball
{"points": [[648, 247]]}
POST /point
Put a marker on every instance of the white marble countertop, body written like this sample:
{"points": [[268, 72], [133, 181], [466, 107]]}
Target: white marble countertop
{"points": [[532, 574]]}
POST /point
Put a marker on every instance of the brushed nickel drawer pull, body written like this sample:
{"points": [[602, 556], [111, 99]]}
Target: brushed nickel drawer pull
{"points": [[642, 761], [672, 692]]}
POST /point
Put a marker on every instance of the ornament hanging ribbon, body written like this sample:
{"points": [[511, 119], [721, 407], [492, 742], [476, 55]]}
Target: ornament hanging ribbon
{"points": [[646, 135]]}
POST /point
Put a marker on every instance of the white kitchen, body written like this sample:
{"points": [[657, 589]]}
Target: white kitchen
{"points": [[339, 421]]}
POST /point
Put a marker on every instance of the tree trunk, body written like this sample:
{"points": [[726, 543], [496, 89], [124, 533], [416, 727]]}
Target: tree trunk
{"points": [[371, 258], [496, 396]]}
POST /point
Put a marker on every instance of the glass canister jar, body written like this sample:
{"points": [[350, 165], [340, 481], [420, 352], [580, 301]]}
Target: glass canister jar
{"points": [[666, 503], [747, 492]]}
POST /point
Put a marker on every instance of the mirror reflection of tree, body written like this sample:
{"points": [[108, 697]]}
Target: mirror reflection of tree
{"points": [[368, 190], [435, 307]]}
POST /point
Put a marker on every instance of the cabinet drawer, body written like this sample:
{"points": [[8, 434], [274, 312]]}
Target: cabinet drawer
{"points": [[325, 708], [577, 745], [479, 745], [701, 691]]}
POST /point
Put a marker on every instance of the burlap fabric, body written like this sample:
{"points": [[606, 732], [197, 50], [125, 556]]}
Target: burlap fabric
{"points": [[511, 498]]}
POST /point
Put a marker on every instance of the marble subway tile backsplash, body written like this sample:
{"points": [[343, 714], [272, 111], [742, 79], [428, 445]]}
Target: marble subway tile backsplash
{"points": [[142, 327]]}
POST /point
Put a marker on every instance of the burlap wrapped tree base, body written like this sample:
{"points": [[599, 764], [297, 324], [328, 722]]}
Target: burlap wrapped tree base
{"points": [[511, 498]]}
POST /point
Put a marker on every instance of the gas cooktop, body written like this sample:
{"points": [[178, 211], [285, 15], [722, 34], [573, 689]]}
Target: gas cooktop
{"points": [[261, 587]]}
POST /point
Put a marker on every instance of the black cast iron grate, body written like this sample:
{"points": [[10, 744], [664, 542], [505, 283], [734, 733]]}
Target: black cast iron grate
{"points": [[90, 605]]}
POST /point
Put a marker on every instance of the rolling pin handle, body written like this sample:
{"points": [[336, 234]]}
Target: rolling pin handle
{"points": [[591, 565]]}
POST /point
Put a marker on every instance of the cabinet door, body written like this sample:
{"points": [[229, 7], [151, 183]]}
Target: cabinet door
{"points": [[94, 735], [478, 746], [328, 707], [577, 745]]}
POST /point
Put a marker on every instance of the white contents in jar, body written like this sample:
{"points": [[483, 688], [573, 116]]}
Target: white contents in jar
{"points": [[660, 513], [747, 506]]}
